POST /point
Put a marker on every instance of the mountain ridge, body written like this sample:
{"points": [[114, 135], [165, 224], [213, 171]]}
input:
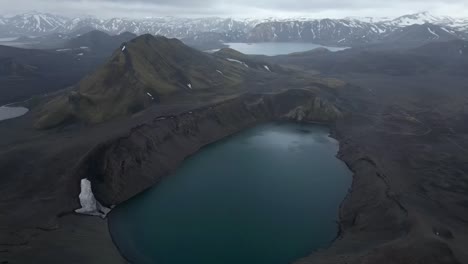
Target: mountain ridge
{"points": [[139, 74], [39, 24]]}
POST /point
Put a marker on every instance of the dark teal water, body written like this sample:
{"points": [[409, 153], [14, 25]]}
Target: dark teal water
{"points": [[270, 194]]}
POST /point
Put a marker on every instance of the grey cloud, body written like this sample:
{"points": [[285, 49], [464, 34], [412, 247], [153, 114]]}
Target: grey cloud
{"points": [[320, 8]]}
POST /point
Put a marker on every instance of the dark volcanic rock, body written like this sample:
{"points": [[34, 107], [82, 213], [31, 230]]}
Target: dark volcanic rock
{"points": [[404, 136], [125, 167], [124, 163]]}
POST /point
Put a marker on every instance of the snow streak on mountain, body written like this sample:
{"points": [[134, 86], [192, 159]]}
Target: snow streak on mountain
{"points": [[347, 31]]}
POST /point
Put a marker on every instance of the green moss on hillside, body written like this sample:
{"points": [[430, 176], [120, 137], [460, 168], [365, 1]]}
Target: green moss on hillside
{"points": [[136, 76]]}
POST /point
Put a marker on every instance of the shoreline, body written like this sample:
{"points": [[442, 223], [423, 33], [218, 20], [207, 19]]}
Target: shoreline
{"points": [[371, 222], [344, 157], [320, 124]]}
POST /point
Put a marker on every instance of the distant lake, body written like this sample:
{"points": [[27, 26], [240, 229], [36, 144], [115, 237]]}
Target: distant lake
{"points": [[12, 43], [8, 39], [270, 194], [7, 112], [277, 48]]}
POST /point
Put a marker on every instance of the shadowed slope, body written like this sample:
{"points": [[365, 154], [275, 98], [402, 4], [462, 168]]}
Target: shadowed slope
{"points": [[136, 76]]}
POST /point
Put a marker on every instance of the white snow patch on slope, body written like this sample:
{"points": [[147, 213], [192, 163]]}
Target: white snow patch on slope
{"points": [[238, 61], [38, 21], [189, 85], [89, 204], [220, 72], [446, 30], [150, 95], [212, 50], [460, 51], [124, 47], [433, 33], [267, 68]]}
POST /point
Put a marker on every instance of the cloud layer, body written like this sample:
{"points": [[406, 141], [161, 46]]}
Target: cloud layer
{"points": [[237, 8]]}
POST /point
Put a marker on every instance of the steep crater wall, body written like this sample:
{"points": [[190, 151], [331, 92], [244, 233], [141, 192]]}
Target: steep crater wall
{"points": [[124, 167], [370, 214]]}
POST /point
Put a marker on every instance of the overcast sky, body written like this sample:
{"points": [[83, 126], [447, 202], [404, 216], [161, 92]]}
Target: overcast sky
{"points": [[237, 8]]}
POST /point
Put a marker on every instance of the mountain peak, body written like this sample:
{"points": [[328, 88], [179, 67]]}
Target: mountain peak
{"points": [[234, 29], [140, 73], [421, 18]]}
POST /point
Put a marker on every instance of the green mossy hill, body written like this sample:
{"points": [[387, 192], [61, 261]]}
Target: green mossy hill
{"points": [[136, 76]]}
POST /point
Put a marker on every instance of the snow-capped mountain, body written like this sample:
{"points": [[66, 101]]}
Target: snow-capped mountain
{"points": [[322, 31], [421, 33], [357, 31], [37, 24], [347, 31], [369, 19], [419, 19], [32, 23]]}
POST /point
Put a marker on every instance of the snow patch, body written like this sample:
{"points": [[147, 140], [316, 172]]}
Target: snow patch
{"points": [[220, 72], [433, 33], [212, 50], [124, 47], [189, 85], [150, 95], [267, 68], [238, 61], [80, 54], [62, 50], [446, 30], [89, 204], [460, 51]]}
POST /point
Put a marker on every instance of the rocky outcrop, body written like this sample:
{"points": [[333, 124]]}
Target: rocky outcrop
{"points": [[127, 166]]}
